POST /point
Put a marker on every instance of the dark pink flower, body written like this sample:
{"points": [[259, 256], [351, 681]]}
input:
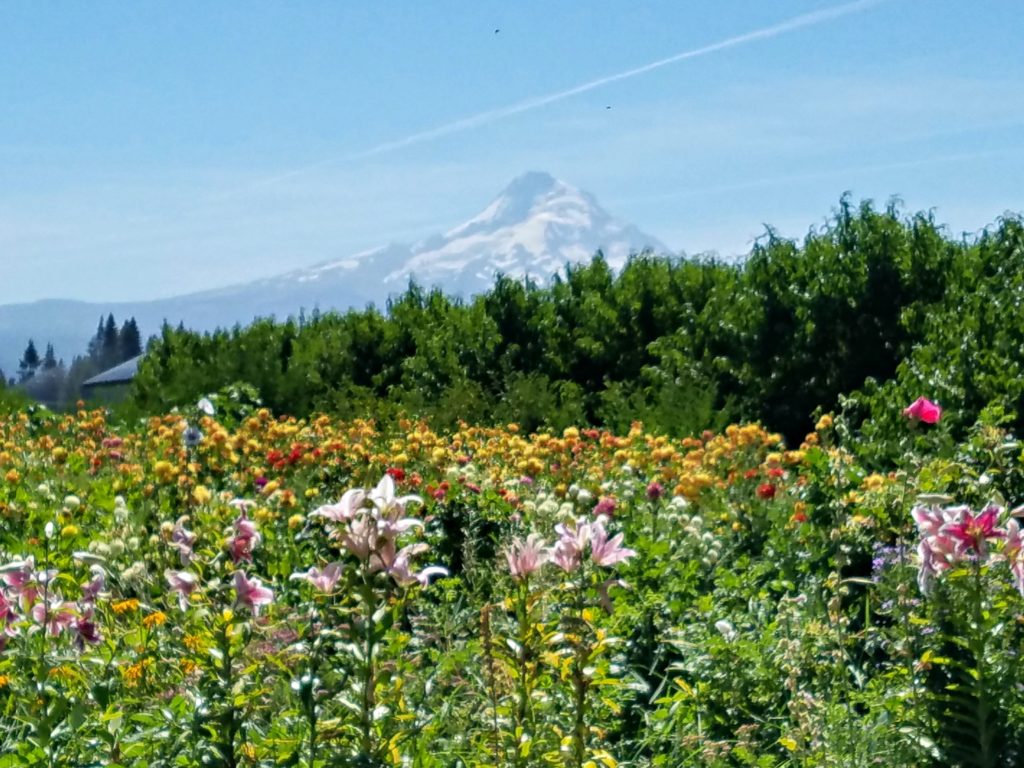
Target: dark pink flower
{"points": [[245, 540], [924, 410], [605, 506], [974, 531], [86, 631]]}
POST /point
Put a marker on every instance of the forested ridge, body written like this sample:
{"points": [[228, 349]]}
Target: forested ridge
{"points": [[874, 302]]}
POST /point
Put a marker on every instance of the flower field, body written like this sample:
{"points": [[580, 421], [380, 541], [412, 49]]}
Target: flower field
{"points": [[226, 588]]}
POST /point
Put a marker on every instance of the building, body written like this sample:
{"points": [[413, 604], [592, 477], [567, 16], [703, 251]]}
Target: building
{"points": [[112, 384]]}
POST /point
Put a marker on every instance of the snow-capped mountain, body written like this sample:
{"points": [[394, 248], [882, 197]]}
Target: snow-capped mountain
{"points": [[534, 227]]}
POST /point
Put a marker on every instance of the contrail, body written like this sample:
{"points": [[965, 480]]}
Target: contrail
{"points": [[528, 105]]}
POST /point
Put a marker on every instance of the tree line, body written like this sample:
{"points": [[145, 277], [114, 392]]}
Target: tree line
{"points": [[874, 304], [49, 380]]}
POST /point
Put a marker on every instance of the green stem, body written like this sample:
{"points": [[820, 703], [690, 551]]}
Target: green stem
{"points": [[369, 678], [580, 686], [227, 747], [311, 700]]}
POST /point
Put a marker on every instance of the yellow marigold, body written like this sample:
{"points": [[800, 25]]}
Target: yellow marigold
{"points": [[12, 477], [154, 620], [195, 643], [873, 482], [187, 666], [5, 680], [201, 494], [125, 606], [59, 455], [823, 423], [64, 672], [165, 471], [295, 521], [132, 674]]}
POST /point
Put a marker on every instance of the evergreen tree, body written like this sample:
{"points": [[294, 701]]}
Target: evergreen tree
{"points": [[29, 362], [130, 340], [95, 348], [110, 347], [49, 359]]}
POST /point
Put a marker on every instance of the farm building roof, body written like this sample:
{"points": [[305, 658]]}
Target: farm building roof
{"points": [[119, 374]]}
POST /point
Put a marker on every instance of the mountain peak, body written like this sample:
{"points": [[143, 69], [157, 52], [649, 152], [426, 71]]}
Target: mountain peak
{"points": [[532, 184]]}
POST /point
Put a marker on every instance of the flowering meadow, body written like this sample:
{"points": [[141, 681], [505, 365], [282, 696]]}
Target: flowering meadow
{"points": [[220, 587]]}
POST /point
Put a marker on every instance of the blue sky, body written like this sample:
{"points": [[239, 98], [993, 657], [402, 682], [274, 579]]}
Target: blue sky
{"points": [[154, 148]]}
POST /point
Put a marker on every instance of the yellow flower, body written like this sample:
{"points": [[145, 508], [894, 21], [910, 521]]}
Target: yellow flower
{"points": [[5, 680], [195, 643], [154, 620], [69, 531], [125, 606], [823, 423], [201, 494], [874, 482]]}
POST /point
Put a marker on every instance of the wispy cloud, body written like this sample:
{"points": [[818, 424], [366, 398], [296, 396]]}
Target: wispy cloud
{"points": [[537, 102]]}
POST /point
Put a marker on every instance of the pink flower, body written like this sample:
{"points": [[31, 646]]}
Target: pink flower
{"points": [[605, 551], [655, 490], [54, 615], [182, 540], [384, 499], [325, 581], [567, 553], [92, 588], [1013, 551], [251, 593], [182, 582], [973, 532], [924, 410], [345, 510], [361, 539], [245, 540], [526, 557], [605, 506], [7, 617], [85, 629]]}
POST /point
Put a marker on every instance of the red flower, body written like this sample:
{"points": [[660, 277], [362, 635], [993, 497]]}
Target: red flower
{"points": [[750, 474], [766, 491], [799, 517], [397, 474]]}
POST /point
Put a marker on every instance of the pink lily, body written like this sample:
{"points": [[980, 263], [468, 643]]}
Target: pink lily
{"points": [[973, 532], [605, 551], [245, 540], [55, 614], [182, 582], [251, 593], [325, 581], [526, 557], [346, 509]]}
